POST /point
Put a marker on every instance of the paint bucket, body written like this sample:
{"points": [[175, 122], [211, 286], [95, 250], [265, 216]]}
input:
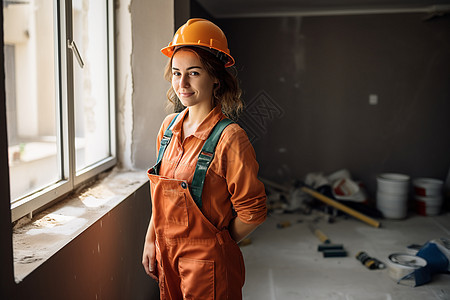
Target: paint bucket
{"points": [[428, 196], [429, 205], [392, 195], [392, 206], [393, 183], [428, 186]]}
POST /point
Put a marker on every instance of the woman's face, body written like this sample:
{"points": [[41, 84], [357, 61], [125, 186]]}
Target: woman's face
{"points": [[190, 81]]}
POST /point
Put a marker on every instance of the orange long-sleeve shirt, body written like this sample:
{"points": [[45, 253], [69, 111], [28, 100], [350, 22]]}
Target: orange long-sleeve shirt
{"points": [[231, 180]]}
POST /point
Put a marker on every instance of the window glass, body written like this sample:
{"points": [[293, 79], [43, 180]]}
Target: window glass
{"points": [[34, 152], [60, 103], [91, 82]]}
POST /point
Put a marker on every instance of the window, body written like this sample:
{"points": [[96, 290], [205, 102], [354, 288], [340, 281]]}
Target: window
{"points": [[60, 97]]}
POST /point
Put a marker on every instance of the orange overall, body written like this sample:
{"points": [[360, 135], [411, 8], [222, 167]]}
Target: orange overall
{"points": [[196, 256]]}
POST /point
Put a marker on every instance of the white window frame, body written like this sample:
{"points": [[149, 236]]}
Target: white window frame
{"points": [[65, 59]]}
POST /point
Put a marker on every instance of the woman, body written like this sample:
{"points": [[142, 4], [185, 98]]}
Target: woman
{"points": [[204, 201]]}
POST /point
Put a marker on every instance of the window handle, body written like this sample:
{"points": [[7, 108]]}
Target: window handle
{"points": [[72, 46]]}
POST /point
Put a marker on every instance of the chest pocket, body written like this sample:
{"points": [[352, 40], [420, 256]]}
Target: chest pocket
{"points": [[175, 208]]}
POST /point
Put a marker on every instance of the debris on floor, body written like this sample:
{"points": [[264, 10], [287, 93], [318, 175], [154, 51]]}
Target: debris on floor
{"points": [[301, 196], [335, 198], [289, 197]]}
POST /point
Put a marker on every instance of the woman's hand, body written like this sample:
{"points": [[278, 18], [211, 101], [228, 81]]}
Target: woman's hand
{"points": [[149, 253], [149, 259]]}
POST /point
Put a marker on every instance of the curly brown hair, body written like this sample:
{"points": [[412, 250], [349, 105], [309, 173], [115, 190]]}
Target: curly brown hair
{"points": [[227, 93]]}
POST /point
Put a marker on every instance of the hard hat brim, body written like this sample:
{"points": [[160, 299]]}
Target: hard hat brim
{"points": [[170, 49]]}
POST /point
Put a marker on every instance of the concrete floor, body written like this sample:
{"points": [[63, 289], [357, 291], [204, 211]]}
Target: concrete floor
{"points": [[284, 263]]}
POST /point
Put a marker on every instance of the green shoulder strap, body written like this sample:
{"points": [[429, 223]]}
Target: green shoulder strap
{"points": [[164, 142], [204, 160]]}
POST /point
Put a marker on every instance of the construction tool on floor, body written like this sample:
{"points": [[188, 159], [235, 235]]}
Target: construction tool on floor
{"points": [[311, 191], [369, 262], [327, 248]]}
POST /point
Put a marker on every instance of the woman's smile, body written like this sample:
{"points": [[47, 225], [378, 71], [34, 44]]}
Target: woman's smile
{"points": [[186, 94]]}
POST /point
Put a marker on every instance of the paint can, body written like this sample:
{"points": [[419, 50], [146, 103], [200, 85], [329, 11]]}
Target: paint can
{"points": [[428, 195], [428, 187], [429, 205], [392, 195]]}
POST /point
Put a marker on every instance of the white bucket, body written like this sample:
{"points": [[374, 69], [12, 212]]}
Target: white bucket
{"points": [[428, 186], [392, 195], [393, 183], [392, 206], [429, 206]]}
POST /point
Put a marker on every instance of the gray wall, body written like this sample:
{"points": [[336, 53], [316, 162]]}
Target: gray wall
{"points": [[316, 74]]}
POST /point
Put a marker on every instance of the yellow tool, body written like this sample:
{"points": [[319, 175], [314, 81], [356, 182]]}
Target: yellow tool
{"points": [[326, 200], [341, 206], [320, 235]]}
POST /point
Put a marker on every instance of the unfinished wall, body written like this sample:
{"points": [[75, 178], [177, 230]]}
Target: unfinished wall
{"points": [[152, 27], [145, 27], [311, 78]]}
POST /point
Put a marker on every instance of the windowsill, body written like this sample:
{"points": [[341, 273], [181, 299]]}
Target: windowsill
{"points": [[49, 231]]}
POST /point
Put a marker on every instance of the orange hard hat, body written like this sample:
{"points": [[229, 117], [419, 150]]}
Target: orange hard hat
{"points": [[203, 33]]}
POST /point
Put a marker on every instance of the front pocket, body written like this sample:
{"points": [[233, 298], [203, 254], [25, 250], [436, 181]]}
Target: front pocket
{"points": [[197, 278], [175, 207]]}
